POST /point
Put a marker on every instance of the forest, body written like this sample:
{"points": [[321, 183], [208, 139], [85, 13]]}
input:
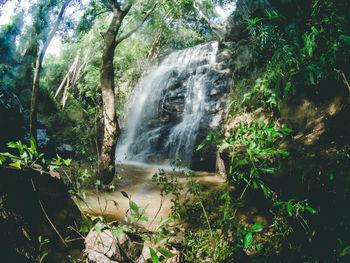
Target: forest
{"points": [[174, 131]]}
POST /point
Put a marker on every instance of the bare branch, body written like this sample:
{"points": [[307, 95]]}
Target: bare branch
{"points": [[55, 28], [74, 64], [218, 30], [147, 14]]}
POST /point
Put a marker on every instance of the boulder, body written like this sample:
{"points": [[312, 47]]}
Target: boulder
{"points": [[235, 26], [104, 247]]}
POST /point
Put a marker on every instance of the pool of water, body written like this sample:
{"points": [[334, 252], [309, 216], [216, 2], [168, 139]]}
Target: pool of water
{"points": [[136, 180]]}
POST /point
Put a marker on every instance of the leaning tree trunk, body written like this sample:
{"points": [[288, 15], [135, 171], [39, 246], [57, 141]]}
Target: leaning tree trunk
{"points": [[111, 127], [37, 71]]}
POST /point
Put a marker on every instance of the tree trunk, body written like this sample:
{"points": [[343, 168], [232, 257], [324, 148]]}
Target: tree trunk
{"points": [[37, 71], [111, 127]]}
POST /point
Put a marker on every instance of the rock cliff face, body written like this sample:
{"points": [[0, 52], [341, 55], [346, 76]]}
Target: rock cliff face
{"points": [[176, 105]]}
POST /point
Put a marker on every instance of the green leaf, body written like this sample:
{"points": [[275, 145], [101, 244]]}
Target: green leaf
{"points": [[200, 146], [267, 192], [125, 194], [209, 137], [241, 162], [258, 247], [284, 152], [2, 159], [11, 155], [12, 145], [269, 170], [16, 165], [252, 145], [32, 143], [134, 207], [118, 231], [86, 225], [310, 209], [331, 177], [154, 255], [289, 209], [345, 252], [43, 256], [67, 162], [345, 38], [165, 253], [98, 227], [98, 182], [248, 239], [143, 218], [278, 203], [257, 227]]}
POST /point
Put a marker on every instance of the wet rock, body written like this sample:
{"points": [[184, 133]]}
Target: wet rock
{"points": [[244, 57], [11, 117], [185, 99], [65, 150], [205, 159], [218, 90], [104, 247], [42, 138]]}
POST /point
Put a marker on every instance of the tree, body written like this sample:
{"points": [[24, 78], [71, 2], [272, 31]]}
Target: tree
{"points": [[8, 55], [111, 40], [32, 36], [38, 67]]}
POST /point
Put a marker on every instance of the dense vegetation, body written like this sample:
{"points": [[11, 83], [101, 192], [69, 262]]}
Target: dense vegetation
{"points": [[285, 143]]}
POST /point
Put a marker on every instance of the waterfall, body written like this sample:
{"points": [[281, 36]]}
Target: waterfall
{"points": [[168, 107]]}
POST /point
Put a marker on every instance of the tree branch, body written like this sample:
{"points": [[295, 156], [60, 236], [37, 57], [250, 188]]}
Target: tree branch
{"points": [[55, 27], [147, 14], [38, 64], [127, 8], [216, 28], [107, 4]]}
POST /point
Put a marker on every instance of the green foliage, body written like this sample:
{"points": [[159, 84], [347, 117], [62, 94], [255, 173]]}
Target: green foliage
{"points": [[299, 57], [255, 154], [154, 255], [86, 225], [137, 214], [255, 150], [169, 184], [294, 208], [60, 161], [42, 255], [79, 181], [28, 157], [213, 233]]}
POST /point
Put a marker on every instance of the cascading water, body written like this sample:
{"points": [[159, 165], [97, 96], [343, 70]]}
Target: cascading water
{"points": [[169, 106]]}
